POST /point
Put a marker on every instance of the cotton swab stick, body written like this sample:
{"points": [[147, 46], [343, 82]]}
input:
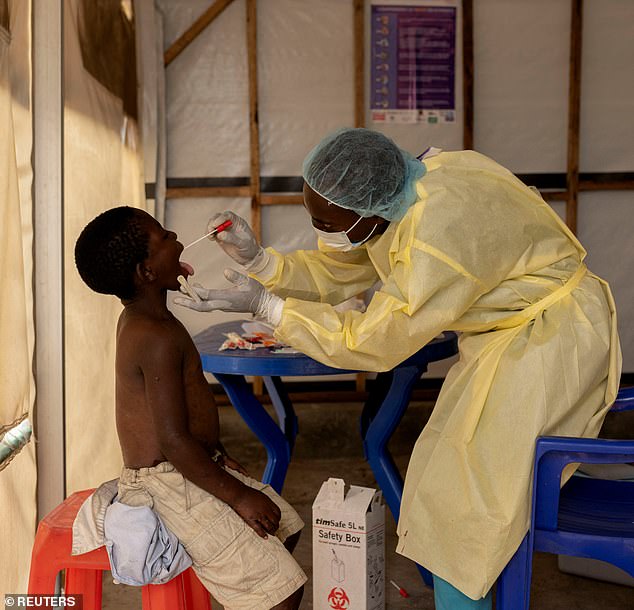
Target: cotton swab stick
{"points": [[401, 591], [182, 280], [221, 227]]}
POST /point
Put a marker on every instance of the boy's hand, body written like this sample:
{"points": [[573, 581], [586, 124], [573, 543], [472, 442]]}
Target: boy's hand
{"points": [[258, 512]]}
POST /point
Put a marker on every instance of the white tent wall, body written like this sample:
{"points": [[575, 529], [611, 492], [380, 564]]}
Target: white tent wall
{"points": [[18, 478], [520, 87], [306, 89], [606, 219], [103, 167], [306, 77]]}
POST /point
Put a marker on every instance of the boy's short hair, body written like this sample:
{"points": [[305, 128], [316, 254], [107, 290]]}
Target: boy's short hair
{"points": [[108, 250]]}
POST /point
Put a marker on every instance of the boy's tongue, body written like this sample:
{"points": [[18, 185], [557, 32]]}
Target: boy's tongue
{"points": [[187, 269]]}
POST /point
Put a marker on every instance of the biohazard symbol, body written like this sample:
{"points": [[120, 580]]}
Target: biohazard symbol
{"points": [[338, 600]]}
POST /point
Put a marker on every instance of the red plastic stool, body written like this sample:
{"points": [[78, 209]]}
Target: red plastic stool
{"points": [[52, 554]]}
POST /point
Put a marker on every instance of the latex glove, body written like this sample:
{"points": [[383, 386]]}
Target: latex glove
{"points": [[246, 296], [238, 241]]}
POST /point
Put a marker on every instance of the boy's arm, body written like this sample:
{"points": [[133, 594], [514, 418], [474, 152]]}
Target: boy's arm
{"points": [[162, 365]]}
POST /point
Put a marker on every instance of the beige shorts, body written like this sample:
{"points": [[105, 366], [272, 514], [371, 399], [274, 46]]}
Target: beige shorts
{"points": [[238, 567]]}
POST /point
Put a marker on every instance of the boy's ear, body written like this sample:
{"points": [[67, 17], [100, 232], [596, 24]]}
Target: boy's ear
{"points": [[144, 273]]}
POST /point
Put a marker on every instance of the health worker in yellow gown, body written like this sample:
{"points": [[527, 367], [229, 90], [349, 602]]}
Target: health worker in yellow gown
{"points": [[457, 242]]}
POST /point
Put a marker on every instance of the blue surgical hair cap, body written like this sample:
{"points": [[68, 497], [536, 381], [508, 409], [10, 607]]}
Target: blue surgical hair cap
{"points": [[364, 171]]}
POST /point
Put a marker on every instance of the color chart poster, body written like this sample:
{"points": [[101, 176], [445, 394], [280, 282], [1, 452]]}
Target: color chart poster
{"points": [[413, 63]]}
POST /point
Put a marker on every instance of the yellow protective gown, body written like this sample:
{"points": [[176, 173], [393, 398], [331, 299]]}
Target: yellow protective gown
{"points": [[482, 254]]}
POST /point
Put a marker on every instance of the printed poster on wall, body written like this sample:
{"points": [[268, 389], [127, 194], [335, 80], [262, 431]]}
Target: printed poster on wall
{"points": [[413, 63]]}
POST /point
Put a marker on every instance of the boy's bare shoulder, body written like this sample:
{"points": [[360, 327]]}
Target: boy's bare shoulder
{"points": [[150, 335]]}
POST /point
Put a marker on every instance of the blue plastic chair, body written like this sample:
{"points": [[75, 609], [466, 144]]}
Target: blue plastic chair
{"points": [[587, 517]]}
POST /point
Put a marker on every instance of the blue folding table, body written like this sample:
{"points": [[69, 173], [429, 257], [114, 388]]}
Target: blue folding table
{"points": [[381, 413]]}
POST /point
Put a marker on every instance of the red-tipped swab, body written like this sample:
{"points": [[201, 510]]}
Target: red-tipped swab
{"points": [[402, 592], [221, 227]]}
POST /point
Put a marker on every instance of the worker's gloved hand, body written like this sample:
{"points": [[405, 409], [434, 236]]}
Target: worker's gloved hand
{"points": [[238, 241], [246, 296]]}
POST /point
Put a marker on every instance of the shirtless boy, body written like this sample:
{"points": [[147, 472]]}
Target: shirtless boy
{"points": [[232, 526]]}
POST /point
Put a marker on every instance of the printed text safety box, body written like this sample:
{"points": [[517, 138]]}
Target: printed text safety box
{"points": [[348, 548]]}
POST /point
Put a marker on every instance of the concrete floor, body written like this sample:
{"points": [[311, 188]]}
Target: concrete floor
{"points": [[329, 446]]}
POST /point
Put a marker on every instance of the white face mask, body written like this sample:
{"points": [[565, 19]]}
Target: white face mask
{"points": [[339, 240]]}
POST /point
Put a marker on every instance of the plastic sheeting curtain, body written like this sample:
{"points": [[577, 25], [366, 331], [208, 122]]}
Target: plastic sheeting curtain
{"points": [[102, 168], [17, 479]]}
